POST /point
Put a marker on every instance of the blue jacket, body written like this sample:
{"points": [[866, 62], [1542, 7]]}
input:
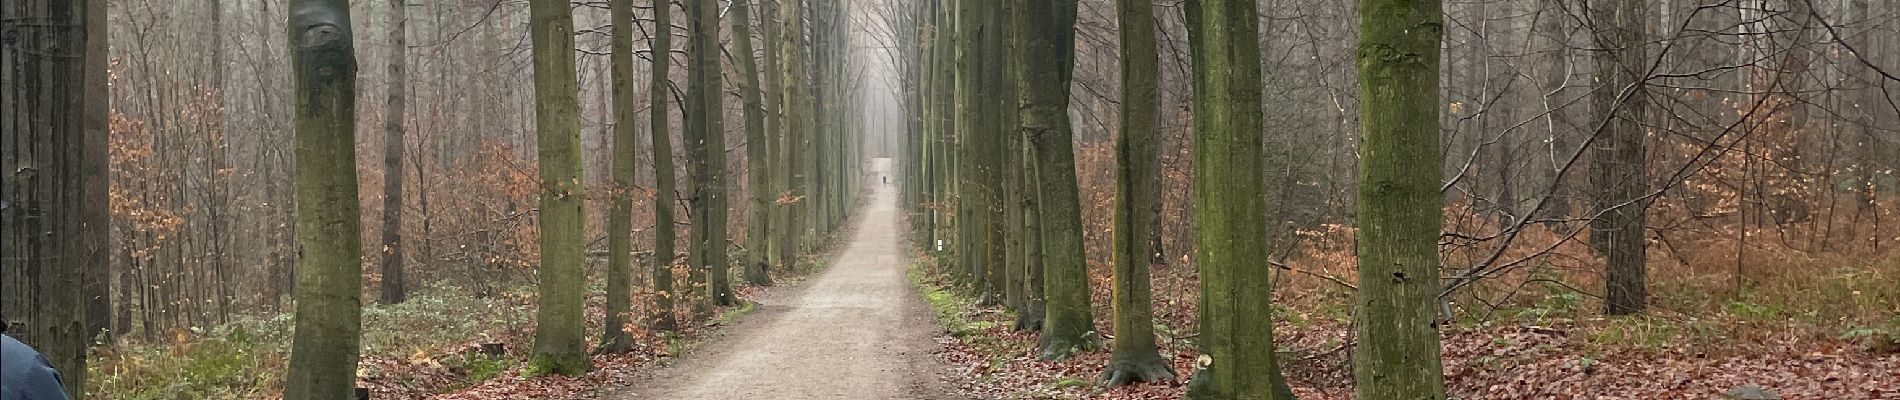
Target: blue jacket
{"points": [[25, 374]]}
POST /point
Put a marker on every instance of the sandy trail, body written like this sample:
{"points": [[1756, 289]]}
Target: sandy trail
{"points": [[856, 331]]}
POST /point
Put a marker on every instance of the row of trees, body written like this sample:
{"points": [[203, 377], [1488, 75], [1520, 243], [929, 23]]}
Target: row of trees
{"points": [[800, 161], [818, 190], [989, 162]]}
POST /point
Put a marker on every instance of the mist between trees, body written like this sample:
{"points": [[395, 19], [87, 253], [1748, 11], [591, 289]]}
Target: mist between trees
{"points": [[1094, 167]]}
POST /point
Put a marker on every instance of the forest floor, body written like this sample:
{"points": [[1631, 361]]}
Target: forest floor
{"points": [[1551, 351], [856, 331]]}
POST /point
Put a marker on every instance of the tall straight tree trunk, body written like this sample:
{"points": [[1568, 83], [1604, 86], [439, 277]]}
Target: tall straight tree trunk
{"points": [[393, 147], [96, 176], [970, 239], [1135, 358], [990, 147], [758, 219], [614, 337], [1029, 199], [47, 212], [664, 178], [1027, 216], [1230, 206], [1619, 177], [324, 347], [1010, 177], [1069, 327], [1399, 200], [705, 121], [775, 181], [558, 346], [795, 72]]}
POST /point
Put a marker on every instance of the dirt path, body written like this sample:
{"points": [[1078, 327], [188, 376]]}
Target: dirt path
{"points": [[856, 331]]}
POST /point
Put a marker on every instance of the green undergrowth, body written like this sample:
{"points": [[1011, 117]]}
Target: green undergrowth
{"points": [[955, 311], [245, 359], [1856, 303], [986, 331]]}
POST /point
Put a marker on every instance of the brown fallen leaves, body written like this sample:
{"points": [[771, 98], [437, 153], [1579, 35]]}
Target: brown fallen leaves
{"points": [[1500, 362]]}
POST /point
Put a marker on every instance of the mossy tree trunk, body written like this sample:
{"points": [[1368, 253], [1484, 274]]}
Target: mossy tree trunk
{"points": [[989, 147], [1028, 198], [1618, 177], [48, 219], [964, 59], [393, 148], [1135, 358], [758, 220], [778, 254], [1230, 206], [1011, 177], [705, 124], [1397, 355], [328, 323], [614, 337], [1068, 327], [795, 71], [944, 135], [665, 198], [558, 346]]}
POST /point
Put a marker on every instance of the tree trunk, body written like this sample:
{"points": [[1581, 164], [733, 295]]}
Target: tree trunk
{"points": [[1135, 358], [558, 345], [1068, 328], [1011, 177], [1229, 207], [97, 176], [665, 197], [1399, 201], [393, 147], [1619, 178], [47, 213], [329, 271], [614, 337], [705, 122], [758, 221], [991, 134]]}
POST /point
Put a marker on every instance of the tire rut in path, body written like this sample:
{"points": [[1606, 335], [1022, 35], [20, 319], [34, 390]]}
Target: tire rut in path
{"points": [[856, 331]]}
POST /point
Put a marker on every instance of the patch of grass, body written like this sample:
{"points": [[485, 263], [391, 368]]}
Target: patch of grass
{"points": [[245, 359], [476, 368], [733, 313]]}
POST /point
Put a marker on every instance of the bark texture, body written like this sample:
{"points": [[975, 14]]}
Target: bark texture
{"points": [[48, 221], [1136, 358], [329, 272], [558, 346], [613, 336], [1230, 207], [1397, 355], [1068, 327]]}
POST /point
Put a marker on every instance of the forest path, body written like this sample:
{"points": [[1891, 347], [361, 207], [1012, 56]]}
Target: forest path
{"points": [[856, 331]]}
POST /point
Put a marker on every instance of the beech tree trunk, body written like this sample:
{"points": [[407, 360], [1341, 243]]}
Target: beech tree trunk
{"points": [[324, 347], [48, 217], [1399, 216], [1068, 327], [705, 122], [665, 198], [1135, 358], [758, 186], [393, 147], [1230, 207], [614, 337], [558, 346]]}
